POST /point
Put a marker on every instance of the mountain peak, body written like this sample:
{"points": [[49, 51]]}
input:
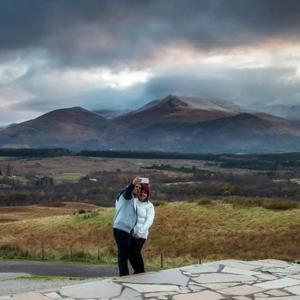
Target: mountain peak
{"points": [[173, 101], [176, 102]]}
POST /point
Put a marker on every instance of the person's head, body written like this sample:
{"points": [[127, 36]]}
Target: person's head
{"points": [[145, 192], [137, 189]]}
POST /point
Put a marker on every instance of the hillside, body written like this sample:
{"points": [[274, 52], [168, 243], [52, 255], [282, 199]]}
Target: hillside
{"points": [[71, 127], [181, 231]]}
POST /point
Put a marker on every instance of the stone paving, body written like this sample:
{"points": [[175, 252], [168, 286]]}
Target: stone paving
{"points": [[226, 279]]}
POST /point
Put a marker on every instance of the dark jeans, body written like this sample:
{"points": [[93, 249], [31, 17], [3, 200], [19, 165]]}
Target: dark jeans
{"points": [[135, 256], [130, 249], [123, 240]]}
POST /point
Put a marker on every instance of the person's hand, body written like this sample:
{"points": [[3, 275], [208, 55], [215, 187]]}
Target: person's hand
{"points": [[136, 180], [136, 236]]}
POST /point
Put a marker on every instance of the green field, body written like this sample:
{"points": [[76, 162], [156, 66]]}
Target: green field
{"points": [[183, 232], [71, 177]]}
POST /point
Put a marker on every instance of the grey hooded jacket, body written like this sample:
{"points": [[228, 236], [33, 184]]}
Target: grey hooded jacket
{"points": [[125, 216]]}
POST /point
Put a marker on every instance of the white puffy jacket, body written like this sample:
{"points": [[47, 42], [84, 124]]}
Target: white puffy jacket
{"points": [[145, 217]]}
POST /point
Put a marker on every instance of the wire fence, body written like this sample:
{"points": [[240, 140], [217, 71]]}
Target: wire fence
{"points": [[96, 255]]}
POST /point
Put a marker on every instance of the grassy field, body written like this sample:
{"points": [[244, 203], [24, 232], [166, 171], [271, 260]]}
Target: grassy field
{"points": [[21, 213], [71, 177], [185, 232]]}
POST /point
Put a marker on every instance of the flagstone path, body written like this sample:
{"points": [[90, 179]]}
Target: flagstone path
{"points": [[227, 279]]}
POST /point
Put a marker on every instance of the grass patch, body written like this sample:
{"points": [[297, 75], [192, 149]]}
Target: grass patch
{"points": [[267, 203], [70, 177], [295, 180]]}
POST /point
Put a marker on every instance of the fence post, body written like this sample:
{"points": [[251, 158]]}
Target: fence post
{"points": [[161, 259], [98, 254], [71, 254], [43, 251]]}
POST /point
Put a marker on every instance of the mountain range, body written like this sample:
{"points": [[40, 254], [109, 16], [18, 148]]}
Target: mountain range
{"points": [[291, 112], [174, 123]]}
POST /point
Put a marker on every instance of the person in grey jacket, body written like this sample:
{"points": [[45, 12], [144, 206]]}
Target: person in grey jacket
{"points": [[124, 221]]}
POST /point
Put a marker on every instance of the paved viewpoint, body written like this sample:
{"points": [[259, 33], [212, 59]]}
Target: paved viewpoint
{"points": [[227, 279]]}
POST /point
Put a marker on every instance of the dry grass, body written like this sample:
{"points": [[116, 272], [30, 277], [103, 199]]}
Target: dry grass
{"points": [[20, 213], [295, 180], [185, 231], [68, 176]]}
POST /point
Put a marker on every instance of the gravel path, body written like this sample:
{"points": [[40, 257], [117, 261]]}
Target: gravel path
{"points": [[57, 269], [13, 286], [10, 270]]}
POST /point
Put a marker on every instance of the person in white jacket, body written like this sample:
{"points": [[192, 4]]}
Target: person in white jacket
{"points": [[145, 217]]}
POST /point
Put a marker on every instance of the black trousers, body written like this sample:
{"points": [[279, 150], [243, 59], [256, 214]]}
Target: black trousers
{"points": [[135, 255], [130, 249], [123, 240]]}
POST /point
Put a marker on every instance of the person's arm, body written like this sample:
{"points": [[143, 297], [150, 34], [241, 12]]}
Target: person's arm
{"points": [[127, 194], [149, 220]]}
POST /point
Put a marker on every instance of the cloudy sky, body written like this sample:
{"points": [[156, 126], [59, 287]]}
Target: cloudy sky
{"points": [[121, 54]]}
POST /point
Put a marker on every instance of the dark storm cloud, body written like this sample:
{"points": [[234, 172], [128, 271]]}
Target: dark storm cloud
{"points": [[76, 32], [52, 52]]}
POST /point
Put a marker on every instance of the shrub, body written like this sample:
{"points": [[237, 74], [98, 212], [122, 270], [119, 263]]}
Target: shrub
{"points": [[279, 204], [243, 202], [205, 202], [159, 203], [12, 251]]}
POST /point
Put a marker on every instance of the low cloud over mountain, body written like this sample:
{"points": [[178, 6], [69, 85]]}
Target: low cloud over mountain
{"points": [[117, 54]]}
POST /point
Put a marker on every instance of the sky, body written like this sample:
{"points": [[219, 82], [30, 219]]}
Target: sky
{"points": [[121, 54]]}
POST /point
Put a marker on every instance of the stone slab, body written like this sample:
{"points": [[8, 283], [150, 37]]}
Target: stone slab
{"points": [[294, 289], [53, 295], [266, 276], [244, 265], [241, 290], [206, 295], [97, 289], [195, 287], [162, 277], [277, 293], [218, 286], [269, 263], [278, 284], [30, 296], [5, 297], [205, 268], [279, 298], [238, 271], [151, 288], [159, 294], [219, 277], [129, 293], [261, 295]]}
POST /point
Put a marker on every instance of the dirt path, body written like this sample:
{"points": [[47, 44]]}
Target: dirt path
{"points": [[57, 269]]}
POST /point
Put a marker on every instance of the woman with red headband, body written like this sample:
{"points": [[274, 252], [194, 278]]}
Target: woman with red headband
{"points": [[145, 216]]}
